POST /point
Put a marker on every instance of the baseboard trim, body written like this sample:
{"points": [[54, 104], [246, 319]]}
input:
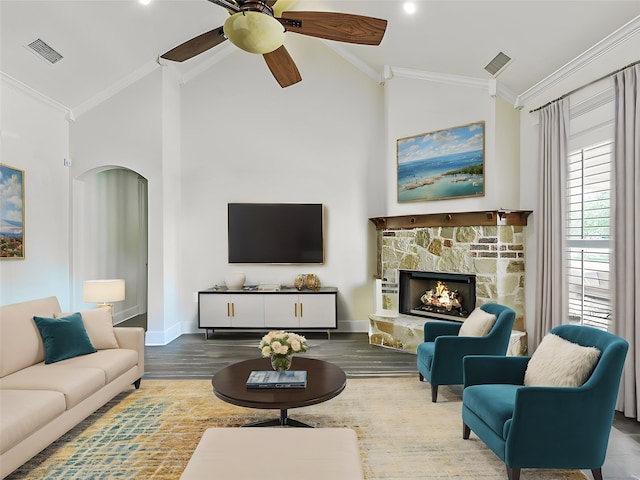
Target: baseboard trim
{"points": [[355, 326], [160, 338]]}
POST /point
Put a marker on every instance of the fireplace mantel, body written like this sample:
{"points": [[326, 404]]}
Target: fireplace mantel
{"points": [[459, 219]]}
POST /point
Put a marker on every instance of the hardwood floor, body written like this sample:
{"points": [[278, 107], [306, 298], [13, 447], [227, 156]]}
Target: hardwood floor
{"points": [[191, 356], [194, 357]]}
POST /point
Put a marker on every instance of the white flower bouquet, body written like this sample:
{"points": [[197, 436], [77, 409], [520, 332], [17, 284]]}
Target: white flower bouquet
{"points": [[280, 346], [282, 343]]}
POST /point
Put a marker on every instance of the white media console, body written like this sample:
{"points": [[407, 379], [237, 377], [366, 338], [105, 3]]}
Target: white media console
{"points": [[253, 309]]}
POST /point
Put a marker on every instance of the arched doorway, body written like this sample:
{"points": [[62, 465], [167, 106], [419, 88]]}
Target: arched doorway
{"points": [[110, 211]]}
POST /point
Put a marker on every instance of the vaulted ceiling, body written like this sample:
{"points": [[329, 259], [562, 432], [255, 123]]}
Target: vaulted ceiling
{"points": [[106, 43]]}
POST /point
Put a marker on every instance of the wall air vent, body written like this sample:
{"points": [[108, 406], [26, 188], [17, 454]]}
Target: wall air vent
{"points": [[44, 51], [498, 64]]}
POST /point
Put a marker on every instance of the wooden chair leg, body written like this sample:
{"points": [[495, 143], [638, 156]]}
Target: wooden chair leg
{"points": [[434, 393], [466, 431], [420, 376], [513, 473], [597, 473]]}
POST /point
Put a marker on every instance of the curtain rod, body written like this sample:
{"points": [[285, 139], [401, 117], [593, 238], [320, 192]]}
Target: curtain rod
{"points": [[584, 86]]}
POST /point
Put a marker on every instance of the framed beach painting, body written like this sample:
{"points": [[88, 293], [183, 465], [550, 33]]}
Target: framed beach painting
{"points": [[442, 164], [11, 213]]}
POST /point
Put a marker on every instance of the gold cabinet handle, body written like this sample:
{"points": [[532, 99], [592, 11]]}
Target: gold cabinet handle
{"points": [[301, 310], [295, 309], [233, 309], [228, 309]]}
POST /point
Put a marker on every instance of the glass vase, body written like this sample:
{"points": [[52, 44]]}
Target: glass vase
{"points": [[281, 363]]}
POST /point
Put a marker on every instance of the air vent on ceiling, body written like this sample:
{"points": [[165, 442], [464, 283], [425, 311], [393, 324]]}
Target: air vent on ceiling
{"points": [[44, 51], [496, 65]]}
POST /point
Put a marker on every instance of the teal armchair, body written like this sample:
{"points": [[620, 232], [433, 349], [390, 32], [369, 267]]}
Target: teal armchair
{"points": [[439, 357], [544, 427]]}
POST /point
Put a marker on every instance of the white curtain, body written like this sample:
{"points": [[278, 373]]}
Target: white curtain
{"points": [[626, 228], [551, 296]]}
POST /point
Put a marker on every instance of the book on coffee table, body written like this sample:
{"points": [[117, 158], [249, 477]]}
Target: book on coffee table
{"points": [[273, 379]]}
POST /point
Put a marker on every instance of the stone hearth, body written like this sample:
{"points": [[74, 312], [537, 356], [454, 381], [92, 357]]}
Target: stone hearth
{"points": [[487, 244]]}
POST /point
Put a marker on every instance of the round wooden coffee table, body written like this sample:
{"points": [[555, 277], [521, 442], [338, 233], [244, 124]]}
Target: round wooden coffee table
{"points": [[324, 381]]}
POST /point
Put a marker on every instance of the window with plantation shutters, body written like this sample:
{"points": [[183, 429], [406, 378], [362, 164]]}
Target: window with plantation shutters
{"points": [[589, 235]]}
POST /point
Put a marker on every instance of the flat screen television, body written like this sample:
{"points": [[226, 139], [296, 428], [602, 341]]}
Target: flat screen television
{"points": [[276, 233]]}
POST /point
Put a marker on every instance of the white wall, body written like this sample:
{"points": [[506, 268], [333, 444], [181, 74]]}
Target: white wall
{"points": [[128, 131], [35, 138], [244, 139], [416, 106]]}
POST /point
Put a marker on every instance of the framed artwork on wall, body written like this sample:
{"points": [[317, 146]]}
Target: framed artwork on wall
{"points": [[11, 213], [442, 164]]}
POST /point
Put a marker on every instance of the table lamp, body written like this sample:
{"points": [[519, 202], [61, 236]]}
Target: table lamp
{"points": [[103, 292]]}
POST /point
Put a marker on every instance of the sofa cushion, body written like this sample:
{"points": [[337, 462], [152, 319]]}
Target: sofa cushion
{"points": [[560, 363], [492, 403], [113, 362], [16, 322], [24, 412], [477, 324], [63, 337], [76, 384], [99, 326]]}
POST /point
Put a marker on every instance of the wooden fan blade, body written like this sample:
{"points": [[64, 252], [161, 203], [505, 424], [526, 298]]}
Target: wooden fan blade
{"points": [[282, 67], [341, 27], [195, 46]]}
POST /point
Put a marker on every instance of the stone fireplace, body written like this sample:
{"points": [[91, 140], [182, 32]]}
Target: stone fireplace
{"points": [[487, 247]]}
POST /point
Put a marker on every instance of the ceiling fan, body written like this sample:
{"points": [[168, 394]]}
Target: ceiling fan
{"points": [[258, 26]]}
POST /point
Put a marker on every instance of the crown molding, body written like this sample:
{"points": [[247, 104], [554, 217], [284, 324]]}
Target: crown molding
{"points": [[37, 95], [458, 80], [610, 42], [507, 94], [491, 85], [116, 88]]}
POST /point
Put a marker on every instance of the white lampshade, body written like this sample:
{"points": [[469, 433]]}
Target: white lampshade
{"points": [[254, 32], [103, 291]]}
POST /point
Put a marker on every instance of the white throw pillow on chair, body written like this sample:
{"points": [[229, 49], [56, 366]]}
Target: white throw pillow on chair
{"points": [[477, 324], [560, 363]]}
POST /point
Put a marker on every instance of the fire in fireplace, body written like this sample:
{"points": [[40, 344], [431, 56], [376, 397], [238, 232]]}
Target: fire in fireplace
{"points": [[449, 296], [440, 299]]}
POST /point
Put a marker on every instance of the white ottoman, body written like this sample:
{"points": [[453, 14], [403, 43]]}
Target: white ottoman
{"points": [[254, 452]]}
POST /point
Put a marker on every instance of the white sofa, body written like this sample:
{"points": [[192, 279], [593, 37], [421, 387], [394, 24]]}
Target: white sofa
{"points": [[40, 402]]}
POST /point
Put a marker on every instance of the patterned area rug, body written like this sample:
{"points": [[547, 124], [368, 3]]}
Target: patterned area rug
{"points": [[151, 433]]}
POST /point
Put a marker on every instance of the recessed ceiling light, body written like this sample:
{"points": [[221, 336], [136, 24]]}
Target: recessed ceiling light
{"points": [[409, 7], [145, 2]]}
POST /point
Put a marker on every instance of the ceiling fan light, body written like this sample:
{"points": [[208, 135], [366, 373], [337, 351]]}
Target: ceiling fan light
{"points": [[254, 32]]}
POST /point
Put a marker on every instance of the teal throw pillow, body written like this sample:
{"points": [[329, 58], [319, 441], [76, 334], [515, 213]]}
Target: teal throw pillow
{"points": [[63, 337]]}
